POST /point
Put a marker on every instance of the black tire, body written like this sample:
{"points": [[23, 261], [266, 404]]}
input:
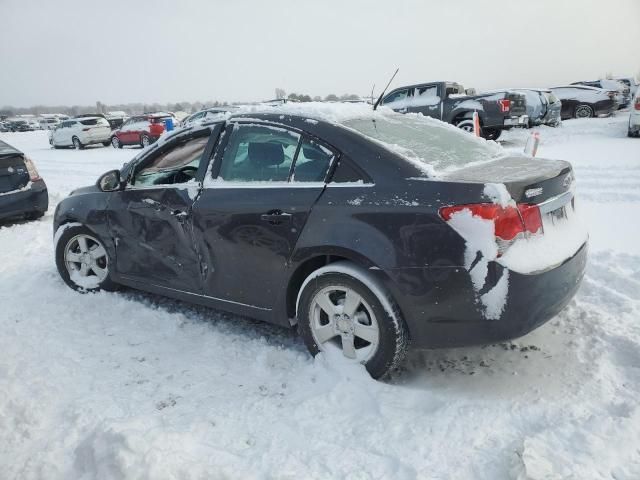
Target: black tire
{"points": [[491, 133], [583, 111], [106, 144], [145, 139], [34, 215], [61, 244], [115, 142], [393, 333], [466, 125], [77, 144]]}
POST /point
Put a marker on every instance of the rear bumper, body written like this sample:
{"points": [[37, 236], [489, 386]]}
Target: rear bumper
{"points": [[32, 200], [521, 121], [442, 309]]}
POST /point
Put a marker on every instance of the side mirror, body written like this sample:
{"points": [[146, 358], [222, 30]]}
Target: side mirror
{"points": [[110, 181]]}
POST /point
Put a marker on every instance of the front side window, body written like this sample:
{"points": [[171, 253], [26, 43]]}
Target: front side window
{"points": [[178, 163], [259, 153], [396, 97]]}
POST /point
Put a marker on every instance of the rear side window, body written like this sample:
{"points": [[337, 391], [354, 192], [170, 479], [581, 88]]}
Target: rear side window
{"points": [[259, 153], [312, 163], [95, 121], [346, 172]]}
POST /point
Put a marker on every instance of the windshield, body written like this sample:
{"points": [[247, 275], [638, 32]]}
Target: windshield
{"points": [[428, 141]]}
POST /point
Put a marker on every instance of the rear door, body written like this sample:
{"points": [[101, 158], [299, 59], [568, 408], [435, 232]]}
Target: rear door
{"points": [[151, 220], [253, 207]]}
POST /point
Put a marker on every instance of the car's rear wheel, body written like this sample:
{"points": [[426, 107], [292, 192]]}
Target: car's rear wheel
{"points": [[82, 260], [106, 144], [583, 111], [77, 144], [343, 310], [115, 142], [466, 125], [145, 141]]}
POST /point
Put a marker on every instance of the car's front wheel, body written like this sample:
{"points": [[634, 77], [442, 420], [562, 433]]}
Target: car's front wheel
{"points": [[343, 310], [115, 142], [82, 260], [145, 141]]}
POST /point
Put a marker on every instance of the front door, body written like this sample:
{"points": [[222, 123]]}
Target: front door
{"points": [[151, 220], [249, 216]]}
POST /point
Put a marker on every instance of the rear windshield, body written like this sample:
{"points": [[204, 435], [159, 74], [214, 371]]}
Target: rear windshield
{"points": [[434, 144], [95, 121]]}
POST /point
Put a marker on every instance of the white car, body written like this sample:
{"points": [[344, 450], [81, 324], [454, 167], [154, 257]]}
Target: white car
{"points": [[634, 116], [80, 132]]}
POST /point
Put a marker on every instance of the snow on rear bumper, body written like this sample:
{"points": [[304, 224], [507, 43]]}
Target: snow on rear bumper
{"points": [[442, 308]]}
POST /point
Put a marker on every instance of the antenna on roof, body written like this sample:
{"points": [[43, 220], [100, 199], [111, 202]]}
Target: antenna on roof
{"points": [[375, 106]]}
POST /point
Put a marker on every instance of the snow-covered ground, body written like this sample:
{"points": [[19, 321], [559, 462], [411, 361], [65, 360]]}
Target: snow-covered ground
{"points": [[130, 385]]}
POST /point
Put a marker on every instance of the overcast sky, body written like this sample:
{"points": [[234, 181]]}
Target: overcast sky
{"points": [[56, 52]]}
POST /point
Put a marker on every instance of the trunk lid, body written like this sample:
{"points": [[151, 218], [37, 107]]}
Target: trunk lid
{"points": [[528, 180], [13, 172]]}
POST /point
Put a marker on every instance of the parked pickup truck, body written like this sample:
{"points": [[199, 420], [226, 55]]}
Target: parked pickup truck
{"points": [[451, 103]]}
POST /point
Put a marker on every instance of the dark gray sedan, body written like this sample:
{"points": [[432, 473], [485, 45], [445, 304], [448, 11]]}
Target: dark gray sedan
{"points": [[23, 192]]}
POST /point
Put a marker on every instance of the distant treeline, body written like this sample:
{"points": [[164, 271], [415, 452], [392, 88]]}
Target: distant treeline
{"points": [[137, 108]]}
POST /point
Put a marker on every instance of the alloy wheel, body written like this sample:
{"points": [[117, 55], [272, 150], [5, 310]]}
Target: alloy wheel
{"points": [[584, 111], [86, 261], [341, 318]]}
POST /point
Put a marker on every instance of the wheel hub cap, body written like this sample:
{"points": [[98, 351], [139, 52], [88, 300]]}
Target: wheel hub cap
{"points": [[344, 323]]}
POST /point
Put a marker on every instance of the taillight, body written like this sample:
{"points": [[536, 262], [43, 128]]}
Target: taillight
{"points": [[637, 105], [33, 171], [505, 105], [509, 222]]}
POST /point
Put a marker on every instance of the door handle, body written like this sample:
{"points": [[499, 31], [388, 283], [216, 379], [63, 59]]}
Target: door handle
{"points": [[276, 217]]}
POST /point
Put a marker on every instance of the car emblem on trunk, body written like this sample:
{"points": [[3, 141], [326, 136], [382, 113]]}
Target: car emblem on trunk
{"points": [[533, 192]]}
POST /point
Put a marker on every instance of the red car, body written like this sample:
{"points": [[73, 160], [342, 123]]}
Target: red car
{"points": [[142, 130]]}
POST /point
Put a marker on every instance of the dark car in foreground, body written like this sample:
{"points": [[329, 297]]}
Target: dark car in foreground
{"points": [[334, 222], [579, 101], [451, 103], [23, 192]]}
